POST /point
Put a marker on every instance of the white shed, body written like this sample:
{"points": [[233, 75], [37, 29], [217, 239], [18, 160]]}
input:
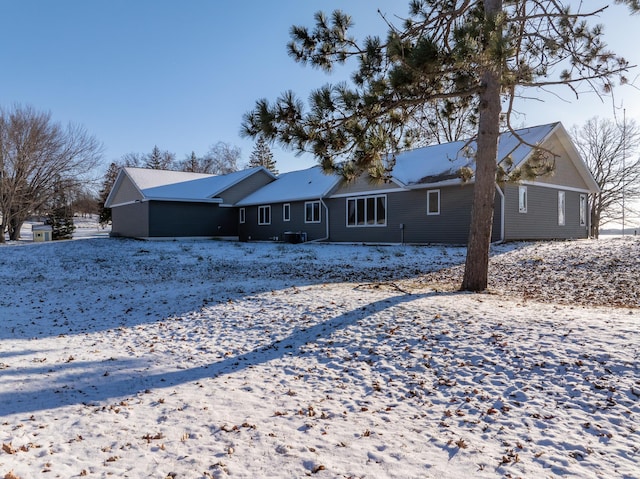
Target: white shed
{"points": [[42, 233]]}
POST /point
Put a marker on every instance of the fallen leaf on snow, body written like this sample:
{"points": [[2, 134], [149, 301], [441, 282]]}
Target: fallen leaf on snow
{"points": [[8, 448]]}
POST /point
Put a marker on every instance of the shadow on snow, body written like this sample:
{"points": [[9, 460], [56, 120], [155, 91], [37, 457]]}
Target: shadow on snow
{"points": [[86, 382]]}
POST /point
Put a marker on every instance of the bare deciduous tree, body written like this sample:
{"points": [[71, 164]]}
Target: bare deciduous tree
{"points": [[197, 164], [132, 160], [35, 155], [611, 153], [222, 158]]}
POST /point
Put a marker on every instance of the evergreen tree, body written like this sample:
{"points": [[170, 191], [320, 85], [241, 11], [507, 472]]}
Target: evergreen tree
{"points": [[191, 164], [262, 156], [61, 215], [159, 160], [104, 214], [485, 51]]}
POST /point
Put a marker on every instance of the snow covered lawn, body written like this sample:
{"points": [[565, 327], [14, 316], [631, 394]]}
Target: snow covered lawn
{"points": [[205, 359]]}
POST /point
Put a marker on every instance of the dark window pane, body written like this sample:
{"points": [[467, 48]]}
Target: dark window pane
{"points": [[360, 210], [381, 209], [351, 212]]}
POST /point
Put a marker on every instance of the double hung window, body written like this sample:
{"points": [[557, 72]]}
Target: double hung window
{"points": [[433, 202], [264, 215], [312, 212]]}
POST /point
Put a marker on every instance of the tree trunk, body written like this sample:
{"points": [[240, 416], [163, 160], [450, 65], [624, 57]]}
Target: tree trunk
{"points": [[595, 224], [476, 271], [14, 229], [595, 212]]}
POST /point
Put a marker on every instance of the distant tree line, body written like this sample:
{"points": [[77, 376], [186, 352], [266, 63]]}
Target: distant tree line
{"points": [[50, 171]]}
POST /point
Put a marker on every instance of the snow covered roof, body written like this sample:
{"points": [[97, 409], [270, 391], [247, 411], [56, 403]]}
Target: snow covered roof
{"points": [[204, 187], [165, 185], [145, 178], [441, 163], [299, 185]]}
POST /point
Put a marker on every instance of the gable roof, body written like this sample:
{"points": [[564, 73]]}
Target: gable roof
{"points": [[145, 178], [198, 189], [165, 185], [441, 163], [300, 185]]}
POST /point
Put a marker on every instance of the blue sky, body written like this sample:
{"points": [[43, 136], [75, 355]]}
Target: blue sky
{"points": [[180, 74]]}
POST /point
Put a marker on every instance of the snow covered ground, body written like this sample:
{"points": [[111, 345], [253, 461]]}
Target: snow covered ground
{"points": [[206, 359]]}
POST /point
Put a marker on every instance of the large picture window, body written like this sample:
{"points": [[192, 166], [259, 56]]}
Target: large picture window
{"points": [[312, 212], [367, 211], [264, 215]]}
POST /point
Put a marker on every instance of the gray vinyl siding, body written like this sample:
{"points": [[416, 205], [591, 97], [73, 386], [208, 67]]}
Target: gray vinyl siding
{"points": [[565, 172], [130, 220], [180, 219], [245, 187], [126, 192], [409, 208], [541, 219], [252, 231]]}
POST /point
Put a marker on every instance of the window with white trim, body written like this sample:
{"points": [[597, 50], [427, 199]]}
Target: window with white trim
{"points": [[264, 215], [367, 211], [242, 215], [433, 202], [561, 208], [522, 199], [286, 212], [583, 210], [312, 212]]}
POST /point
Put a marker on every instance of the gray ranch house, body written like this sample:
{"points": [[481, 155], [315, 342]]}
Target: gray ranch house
{"points": [[148, 203], [424, 201], [291, 208]]}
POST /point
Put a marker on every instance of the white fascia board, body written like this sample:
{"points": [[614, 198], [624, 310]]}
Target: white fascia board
{"points": [[124, 203], [178, 200], [277, 201], [554, 186], [187, 200]]}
